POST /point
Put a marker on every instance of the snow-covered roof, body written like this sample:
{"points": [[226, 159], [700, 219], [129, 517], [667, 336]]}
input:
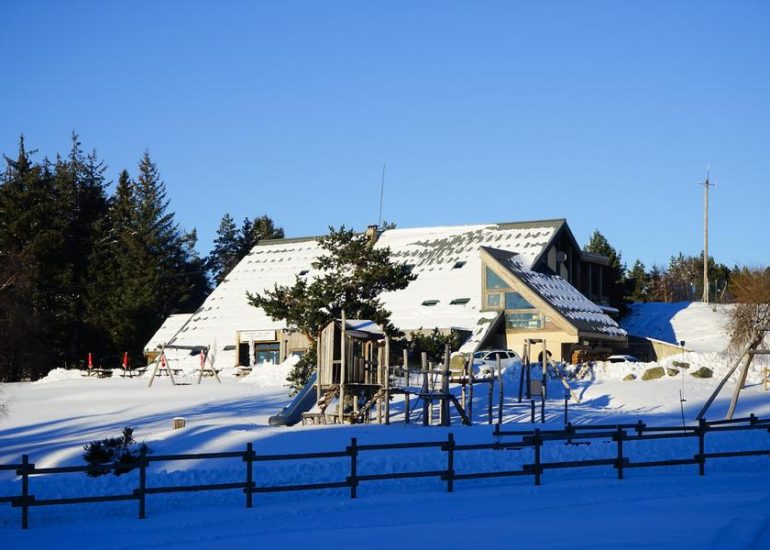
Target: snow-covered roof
{"points": [[362, 327], [578, 310], [445, 259], [167, 330], [227, 309]]}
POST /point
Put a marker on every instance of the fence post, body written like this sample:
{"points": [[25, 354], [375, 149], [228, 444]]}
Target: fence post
{"points": [[353, 450], [450, 474], [701, 446], [25, 491], [537, 442], [566, 403], [142, 481], [619, 435], [639, 427], [532, 411], [490, 398], [249, 458]]}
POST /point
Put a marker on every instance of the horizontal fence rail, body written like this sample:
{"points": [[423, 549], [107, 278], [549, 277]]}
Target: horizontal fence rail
{"points": [[529, 439]]}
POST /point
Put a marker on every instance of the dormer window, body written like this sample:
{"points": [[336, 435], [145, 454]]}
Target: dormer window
{"points": [[430, 302], [460, 301], [459, 264]]}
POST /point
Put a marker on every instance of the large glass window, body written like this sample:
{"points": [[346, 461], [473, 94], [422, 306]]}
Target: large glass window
{"points": [[267, 353], [523, 320], [514, 300], [494, 281]]}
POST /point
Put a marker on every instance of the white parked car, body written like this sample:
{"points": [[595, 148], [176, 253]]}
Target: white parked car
{"points": [[485, 361]]}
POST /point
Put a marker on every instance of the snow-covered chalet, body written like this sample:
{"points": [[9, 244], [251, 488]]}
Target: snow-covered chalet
{"points": [[496, 284]]}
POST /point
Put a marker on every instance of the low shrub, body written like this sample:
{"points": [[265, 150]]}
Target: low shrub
{"points": [[117, 454]]}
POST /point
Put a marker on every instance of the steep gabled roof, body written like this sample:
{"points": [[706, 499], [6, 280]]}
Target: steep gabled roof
{"points": [[566, 300], [445, 259], [447, 291]]}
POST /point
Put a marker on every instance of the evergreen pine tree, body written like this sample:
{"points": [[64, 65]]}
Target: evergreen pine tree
{"points": [[598, 244], [352, 274], [638, 283], [227, 249], [252, 232]]}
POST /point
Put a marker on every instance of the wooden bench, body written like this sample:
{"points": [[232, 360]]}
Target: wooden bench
{"points": [[243, 371]]}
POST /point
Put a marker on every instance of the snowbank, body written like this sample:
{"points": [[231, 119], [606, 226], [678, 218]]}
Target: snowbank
{"points": [[59, 374], [701, 326], [271, 376]]}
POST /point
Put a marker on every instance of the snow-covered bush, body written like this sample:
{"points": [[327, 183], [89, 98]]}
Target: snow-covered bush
{"points": [[121, 451]]}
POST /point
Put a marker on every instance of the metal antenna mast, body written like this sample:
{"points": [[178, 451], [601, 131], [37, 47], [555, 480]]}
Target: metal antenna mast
{"points": [[706, 184], [382, 192]]}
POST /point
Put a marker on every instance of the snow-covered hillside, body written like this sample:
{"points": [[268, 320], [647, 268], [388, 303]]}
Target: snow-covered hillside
{"points": [[701, 326]]}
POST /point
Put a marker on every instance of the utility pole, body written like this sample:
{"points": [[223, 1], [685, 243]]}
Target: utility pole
{"points": [[706, 184]]}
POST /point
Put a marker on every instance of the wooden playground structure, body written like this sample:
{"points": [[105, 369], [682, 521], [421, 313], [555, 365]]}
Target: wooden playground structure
{"points": [[355, 381]]}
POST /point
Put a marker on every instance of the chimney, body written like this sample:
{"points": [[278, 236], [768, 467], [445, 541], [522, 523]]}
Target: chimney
{"points": [[372, 234]]}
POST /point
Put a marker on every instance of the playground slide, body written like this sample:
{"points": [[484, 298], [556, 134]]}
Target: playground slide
{"points": [[303, 402]]}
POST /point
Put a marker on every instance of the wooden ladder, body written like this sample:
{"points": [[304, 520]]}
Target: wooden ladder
{"points": [[363, 412], [327, 398]]}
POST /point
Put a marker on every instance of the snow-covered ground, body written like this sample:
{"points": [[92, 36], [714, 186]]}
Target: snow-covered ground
{"points": [[701, 326], [52, 419]]}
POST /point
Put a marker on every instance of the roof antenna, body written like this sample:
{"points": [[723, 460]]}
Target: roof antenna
{"points": [[382, 192]]}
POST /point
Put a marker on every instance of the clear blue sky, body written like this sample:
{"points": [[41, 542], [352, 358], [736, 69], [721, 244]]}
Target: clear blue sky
{"points": [[604, 113]]}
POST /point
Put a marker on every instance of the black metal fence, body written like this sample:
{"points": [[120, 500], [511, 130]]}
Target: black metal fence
{"points": [[534, 439]]}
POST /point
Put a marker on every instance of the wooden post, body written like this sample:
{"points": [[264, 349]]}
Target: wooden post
{"points": [[738, 387], [343, 368], [249, 459], [566, 402], [450, 474], [425, 407], [444, 410], [142, 481], [490, 398], [721, 384], [353, 449], [470, 389], [545, 370], [406, 386], [537, 442], [701, 447], [25, 491], [501, 393], [387, 380], [619, 435], [318, 365], [524, 365]]}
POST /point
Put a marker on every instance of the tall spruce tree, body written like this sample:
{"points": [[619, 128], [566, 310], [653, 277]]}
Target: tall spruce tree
{"points": [[253, 231], [598, 244], [26, 242], [227, 249], [638, 284]]}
